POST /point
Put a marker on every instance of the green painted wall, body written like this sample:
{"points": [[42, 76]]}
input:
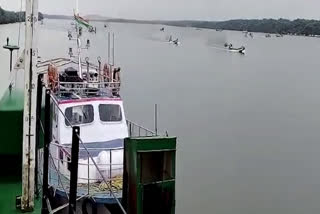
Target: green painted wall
{"points": [[11, 125], [10, 187], [134, 183]]}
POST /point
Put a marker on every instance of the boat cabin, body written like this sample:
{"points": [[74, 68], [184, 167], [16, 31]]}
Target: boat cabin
{"points": [[92, 102]]}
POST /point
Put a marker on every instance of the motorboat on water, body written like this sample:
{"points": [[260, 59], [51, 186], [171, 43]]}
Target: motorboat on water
{"points": [[175, 42], [241, 50], [230, 48], [246, 34]]}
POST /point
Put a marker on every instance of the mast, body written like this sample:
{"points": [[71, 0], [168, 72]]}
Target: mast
{"points": [[79, 32], [29, 114]]}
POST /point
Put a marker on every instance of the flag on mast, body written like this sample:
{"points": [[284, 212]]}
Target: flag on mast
{"points": [[82, 21]]}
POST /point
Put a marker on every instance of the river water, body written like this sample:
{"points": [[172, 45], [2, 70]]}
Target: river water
{"points": [[248, 126]]}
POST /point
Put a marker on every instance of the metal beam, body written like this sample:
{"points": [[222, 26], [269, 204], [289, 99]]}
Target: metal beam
{"points": [[45, 183], [29, 115], [74, 170]]}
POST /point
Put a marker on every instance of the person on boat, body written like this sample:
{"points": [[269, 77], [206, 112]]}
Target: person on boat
{"points": [[52, 77], [116, 78], [116, 74], [230, 46], [69, 35], [176, 42]]}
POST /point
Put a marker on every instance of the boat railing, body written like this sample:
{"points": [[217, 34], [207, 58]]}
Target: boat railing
{"points": [[136, 130], [88, 182], [89, 88], [61, 62], [89, 85]]}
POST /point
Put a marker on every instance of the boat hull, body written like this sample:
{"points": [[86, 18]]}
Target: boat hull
{"points": [[241, 51]]}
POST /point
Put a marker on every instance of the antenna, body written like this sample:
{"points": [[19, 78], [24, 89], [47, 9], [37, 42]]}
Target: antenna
{"points": [[156, 119], [109, 47], [77, 7], [113, 49]]}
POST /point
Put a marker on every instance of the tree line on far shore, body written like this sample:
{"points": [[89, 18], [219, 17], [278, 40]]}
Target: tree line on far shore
{"points": [[280, 26], [7, 17]]}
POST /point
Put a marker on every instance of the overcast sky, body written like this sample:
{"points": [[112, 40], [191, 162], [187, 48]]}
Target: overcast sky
{"points": [[181, 9]]}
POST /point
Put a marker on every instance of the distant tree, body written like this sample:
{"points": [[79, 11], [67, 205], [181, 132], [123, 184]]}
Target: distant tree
{"points": [[283, 26], [7, 17]]}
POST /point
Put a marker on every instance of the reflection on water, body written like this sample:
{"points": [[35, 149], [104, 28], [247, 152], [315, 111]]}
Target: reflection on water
{"points": [[248, 126]]}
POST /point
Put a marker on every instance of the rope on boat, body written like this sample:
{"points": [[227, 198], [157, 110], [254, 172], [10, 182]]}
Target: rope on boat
{"points": [[115, 183]]}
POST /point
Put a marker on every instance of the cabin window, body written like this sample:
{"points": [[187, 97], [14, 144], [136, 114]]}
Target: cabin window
{"points": [[110, 113], [78, 115]]}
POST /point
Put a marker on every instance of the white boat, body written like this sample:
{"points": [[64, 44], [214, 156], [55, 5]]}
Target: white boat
{"points": [[92, 101], [241, 50], [174, 42], [230, 48], [85, 94], [96, 106]]}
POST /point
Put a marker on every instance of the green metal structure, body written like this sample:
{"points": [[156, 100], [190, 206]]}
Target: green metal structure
{"points": [[149, 175], [11, 112]]}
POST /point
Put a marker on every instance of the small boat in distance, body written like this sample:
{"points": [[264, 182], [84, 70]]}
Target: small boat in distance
{"points": [[268, 35], [241, 50], [175, 42], [162, 29]]}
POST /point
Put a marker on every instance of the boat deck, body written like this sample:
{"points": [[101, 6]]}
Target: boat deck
{"points": [[98, 191]]}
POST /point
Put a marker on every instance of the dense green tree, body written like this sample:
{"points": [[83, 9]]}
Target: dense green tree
{"points": [[283, 26], [7, 17]]}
